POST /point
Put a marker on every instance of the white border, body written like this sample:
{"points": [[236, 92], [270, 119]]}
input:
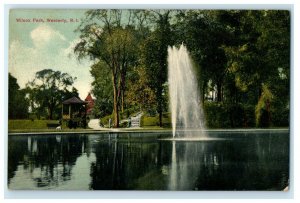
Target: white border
{"points": [[136, 194]]}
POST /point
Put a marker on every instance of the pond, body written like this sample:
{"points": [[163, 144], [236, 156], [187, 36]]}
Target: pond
{"points": [[140, 161]]}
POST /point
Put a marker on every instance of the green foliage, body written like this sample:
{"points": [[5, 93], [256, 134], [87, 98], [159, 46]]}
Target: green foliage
{"points": [[215, 115], [48, 90], [154, 57], [205, 34], [139, 93], [17, 102], [242, 58], [105, 120], [102, 89], [220, 115], [109, 36], [129, 112], [263, 105], [280, 116]]}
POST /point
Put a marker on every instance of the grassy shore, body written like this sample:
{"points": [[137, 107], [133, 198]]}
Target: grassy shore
{"points": [[40, 126], [36, 126], [27, 126]]}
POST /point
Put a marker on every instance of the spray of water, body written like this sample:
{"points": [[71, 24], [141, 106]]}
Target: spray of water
{"points": [[187, 113]]}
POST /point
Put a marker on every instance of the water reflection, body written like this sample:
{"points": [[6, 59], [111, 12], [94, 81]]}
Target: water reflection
{"points": [[45, 162], [139, 161], [253, 163], [124, 164]]}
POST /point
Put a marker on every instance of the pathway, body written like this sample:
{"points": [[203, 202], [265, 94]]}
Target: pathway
{"points": [[135, 123], [94, 124]]}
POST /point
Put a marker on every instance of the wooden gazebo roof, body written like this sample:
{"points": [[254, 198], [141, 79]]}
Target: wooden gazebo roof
{"points": [[74, 100]]}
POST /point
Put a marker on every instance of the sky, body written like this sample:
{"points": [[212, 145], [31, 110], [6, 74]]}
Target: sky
{"points": [[36, 44]]}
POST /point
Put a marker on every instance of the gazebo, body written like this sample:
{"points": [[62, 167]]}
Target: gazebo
{"points": [[74, 112]]}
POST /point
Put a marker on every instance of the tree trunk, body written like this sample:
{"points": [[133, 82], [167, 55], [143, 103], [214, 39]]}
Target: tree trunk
{"points": [[50, 114], [202, 93], [159, 106], [123, 101], [160, 119], [116, 109], [219, 92], [50, 109], [268, 108]]}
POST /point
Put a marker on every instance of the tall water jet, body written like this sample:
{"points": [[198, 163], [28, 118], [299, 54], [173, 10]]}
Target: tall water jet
{"points": [[185, 101]]}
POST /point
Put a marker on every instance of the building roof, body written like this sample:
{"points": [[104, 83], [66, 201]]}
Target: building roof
{"points": [[74, 100], [89, 97]]}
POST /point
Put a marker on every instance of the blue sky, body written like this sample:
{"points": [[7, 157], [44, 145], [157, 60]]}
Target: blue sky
{"points": [[35, 46]]}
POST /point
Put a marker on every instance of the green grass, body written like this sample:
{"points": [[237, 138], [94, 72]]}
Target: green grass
{"points": [[154, 120], [149, 121], [36, 126], [28, 124]]}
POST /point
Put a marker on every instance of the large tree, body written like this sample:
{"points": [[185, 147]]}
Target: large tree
{"points": [[139, 93], [102, 89], [17, 102], [48, 89], [108, 36], [260, 61], [205, 34], [155, 56], [242, 55]]}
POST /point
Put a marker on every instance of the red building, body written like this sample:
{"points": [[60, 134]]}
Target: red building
{"points": [[91, 102]]}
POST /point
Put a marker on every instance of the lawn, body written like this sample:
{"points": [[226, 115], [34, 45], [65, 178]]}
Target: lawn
{"points": [[29, 124]]}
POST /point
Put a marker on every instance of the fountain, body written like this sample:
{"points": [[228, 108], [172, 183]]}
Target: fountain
{"points": [[184, 95]]}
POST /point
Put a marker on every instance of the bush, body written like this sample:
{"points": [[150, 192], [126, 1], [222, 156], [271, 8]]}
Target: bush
{"points": [[220, 115], [129, 112], [105, 120], [249, 116], [215, 115], [32, 116], [124, 124], [280, 117]]}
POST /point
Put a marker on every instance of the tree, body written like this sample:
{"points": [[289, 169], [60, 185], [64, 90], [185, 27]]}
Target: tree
{"points": [[139, 92], [262, 109], [239, 52], [205, 34], [17, 102], [102, 89], [260, 61], [155, 57], [49, 89], [108, 36]]}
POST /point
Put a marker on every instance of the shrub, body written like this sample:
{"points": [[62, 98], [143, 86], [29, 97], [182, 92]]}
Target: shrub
{"points": [[220, 115], [105, 120], [280, 117]]}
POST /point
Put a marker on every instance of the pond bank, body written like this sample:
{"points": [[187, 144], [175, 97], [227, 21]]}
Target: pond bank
{"points": [[137, 130]]}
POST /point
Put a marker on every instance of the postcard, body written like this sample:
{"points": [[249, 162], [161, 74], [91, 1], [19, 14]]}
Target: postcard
{"points": [[156, 100]]}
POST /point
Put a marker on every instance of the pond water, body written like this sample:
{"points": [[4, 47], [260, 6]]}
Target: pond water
{"points": [[140, 161]]}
